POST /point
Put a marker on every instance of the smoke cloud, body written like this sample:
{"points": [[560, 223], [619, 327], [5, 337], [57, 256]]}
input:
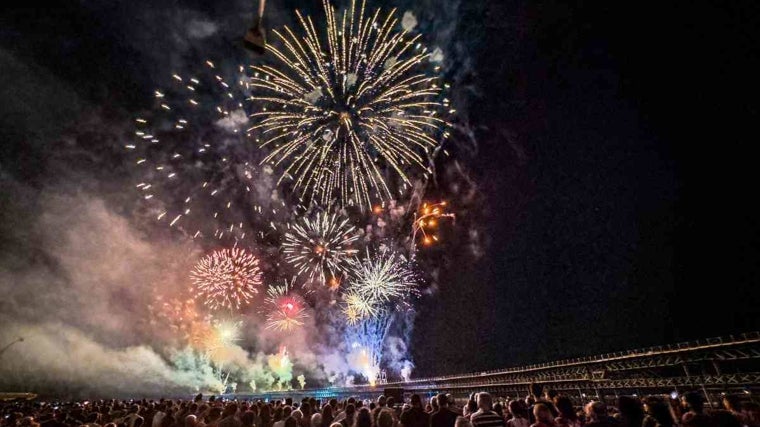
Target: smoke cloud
{"points": [[77, 286], [81, 267]]}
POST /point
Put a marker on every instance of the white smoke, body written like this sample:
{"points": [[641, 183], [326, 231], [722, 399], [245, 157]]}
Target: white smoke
{"points": [[58, 359], [234, 122], [408, 21], [201, 29], [76, 289], [77, 275]]}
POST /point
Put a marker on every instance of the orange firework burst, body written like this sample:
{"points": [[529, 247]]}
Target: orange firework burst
{"points": [[426, 222], [227, 278], [180, 316]]}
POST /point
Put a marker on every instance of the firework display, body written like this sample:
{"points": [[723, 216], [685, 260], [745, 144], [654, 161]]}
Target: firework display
{"points": [[316, 158], [365, 340], [281, 365], [320, 247], [197, 169], [285, 309], [227, 278], [357, 307], [227, 332], [180, 315], [382, 277], [427, 220], [348, 109]]}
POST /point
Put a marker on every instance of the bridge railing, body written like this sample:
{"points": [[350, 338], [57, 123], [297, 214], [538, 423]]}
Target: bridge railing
{"points": [[731, 340], [484, 378]]}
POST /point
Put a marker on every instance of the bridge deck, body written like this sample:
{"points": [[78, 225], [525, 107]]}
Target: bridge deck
{"points": [[713, 366]]}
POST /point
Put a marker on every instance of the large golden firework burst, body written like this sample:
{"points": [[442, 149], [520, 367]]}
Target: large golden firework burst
{"points": [[350, 109]]}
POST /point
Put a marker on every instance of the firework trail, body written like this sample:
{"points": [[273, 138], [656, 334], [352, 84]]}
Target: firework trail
{"points": [[350, 108], [284, 309], [215, 338], [282, 367], [227, 278], [198, 170], [381, 282], [365, 341], [319, 246]]}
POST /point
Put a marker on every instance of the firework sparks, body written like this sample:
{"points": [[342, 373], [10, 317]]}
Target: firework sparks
{"points": [[320, 245], [426, 221], [197, 170], [282, 368], [366, 361], [227, 278], [216, 341], [365, 343], [341, 117], [285, 309], [383, 277], [357, 307], [227, 332], [179, 315]]}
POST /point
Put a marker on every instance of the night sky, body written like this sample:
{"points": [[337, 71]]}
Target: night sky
{"points": [[621, 195], [614, 158]]}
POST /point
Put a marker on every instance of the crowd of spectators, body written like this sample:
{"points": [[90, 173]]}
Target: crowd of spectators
{"points": [[480, 410]]}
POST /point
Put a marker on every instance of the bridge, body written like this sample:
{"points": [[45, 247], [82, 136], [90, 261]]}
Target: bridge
{"points": [[713, 366]]}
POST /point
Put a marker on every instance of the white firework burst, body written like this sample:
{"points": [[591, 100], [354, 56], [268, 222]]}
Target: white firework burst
{"points": [[321, 246]]}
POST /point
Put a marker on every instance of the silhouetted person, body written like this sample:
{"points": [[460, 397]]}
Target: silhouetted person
{"points": [[567, 417], [596, 416], [443, 417], [732, 403], [381, 401], [229, 416], [693, 403], [248, 419], [327, 415], [519, 411], [363, 418], [543, 416], [549, 396], [385, 418], [631, 412], [433, 404], [658, 413], [306, 411], [415, 416], [349, 414]]}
